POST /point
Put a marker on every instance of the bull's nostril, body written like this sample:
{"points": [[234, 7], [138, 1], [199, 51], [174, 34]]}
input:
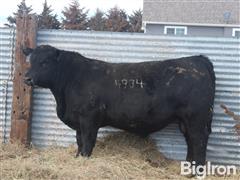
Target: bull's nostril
{"points": [[28, 81]]}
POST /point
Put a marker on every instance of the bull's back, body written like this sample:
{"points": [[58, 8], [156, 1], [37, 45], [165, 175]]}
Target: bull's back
{"points": [[155, 78]]}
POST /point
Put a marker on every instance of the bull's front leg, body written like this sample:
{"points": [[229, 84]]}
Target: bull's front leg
{"points": [[79, 142], [89, 132]]}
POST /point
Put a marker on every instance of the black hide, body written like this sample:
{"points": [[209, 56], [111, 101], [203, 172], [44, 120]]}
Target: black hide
{"points": [[138, 97]]}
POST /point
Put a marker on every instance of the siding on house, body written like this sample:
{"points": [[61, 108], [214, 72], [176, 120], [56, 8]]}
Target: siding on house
{"points": [[214, 12], [202, 18], [201, 31]]}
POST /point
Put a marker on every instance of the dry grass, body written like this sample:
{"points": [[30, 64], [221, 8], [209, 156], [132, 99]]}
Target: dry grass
{"points": [[120, 156]]}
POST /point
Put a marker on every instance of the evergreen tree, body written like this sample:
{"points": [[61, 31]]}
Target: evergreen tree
{"points": [[75, 17], [23, 9], [46, 20], [98, 21], [117, 20], [135, 21]]}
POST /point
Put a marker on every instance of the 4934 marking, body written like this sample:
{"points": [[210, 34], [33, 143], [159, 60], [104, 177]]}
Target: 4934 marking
{"points": [[129, 83]]}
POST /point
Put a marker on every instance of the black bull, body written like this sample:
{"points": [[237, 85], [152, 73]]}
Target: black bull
{"points": [[138, 97]]}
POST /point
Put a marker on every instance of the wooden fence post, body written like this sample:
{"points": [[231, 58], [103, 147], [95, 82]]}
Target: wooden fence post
{"points": [[26, 29]]}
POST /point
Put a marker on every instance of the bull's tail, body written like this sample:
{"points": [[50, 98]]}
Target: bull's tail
{"points": [[209, 67], [208, 64]]}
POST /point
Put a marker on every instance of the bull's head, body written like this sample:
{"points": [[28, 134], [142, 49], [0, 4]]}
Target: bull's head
{"points": [[44, 62]]}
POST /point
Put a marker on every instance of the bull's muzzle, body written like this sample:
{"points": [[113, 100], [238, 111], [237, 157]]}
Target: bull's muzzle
{"points": [[28, 81]]}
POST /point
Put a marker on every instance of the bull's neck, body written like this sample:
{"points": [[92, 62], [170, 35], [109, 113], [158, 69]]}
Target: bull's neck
{"points": [[57, 90], [66, 74], [61, 79]]}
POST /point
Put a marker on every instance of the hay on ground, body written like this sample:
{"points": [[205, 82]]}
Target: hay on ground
{"points": [[119, 156]]}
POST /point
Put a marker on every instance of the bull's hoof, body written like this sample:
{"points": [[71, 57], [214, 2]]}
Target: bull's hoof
{"points": [[85, 154], [77, 155]]}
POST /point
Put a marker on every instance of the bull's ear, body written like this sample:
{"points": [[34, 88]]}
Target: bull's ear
{"points": [[27, 51]]}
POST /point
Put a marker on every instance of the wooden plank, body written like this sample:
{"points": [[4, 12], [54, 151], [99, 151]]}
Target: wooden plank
{"points": [[26, 30]]}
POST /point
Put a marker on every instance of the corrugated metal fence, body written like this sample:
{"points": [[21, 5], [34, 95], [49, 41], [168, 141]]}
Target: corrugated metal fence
{"points": [[224, 144], [7, 41]]}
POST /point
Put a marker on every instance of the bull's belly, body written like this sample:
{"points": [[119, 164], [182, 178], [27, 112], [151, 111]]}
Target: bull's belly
{"points": [[140, 126]]}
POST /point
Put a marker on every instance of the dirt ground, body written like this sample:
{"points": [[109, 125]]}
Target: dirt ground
{"points": [[119, 156]]}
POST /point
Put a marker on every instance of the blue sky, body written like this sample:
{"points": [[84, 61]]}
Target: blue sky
{"points": [[10, 6]]}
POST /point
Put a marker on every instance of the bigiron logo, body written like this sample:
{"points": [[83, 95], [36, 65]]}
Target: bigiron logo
{"points": [[201, 171]]}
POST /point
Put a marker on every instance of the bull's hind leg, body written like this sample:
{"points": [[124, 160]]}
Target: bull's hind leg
{"points": [[196, 130], [79, 142], [199, 128], [183, 129], [199, 141]]}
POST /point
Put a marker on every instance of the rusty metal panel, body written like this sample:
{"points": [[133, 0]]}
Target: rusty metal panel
{"points": [[7, 44], [224, 144]]}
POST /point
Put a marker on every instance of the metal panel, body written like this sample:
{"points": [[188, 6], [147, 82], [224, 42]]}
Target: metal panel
{"points": [[7, 40], [223, 146]]}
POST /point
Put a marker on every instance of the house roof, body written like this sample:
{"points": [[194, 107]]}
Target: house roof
{"points": [[208, 12]]}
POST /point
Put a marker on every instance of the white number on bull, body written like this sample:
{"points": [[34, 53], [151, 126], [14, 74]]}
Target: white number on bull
{"points": [[129, 83]]}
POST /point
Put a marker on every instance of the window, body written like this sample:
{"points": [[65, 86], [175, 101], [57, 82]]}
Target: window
{"points": [[170, 31], [175, 30], [236, 32]]}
